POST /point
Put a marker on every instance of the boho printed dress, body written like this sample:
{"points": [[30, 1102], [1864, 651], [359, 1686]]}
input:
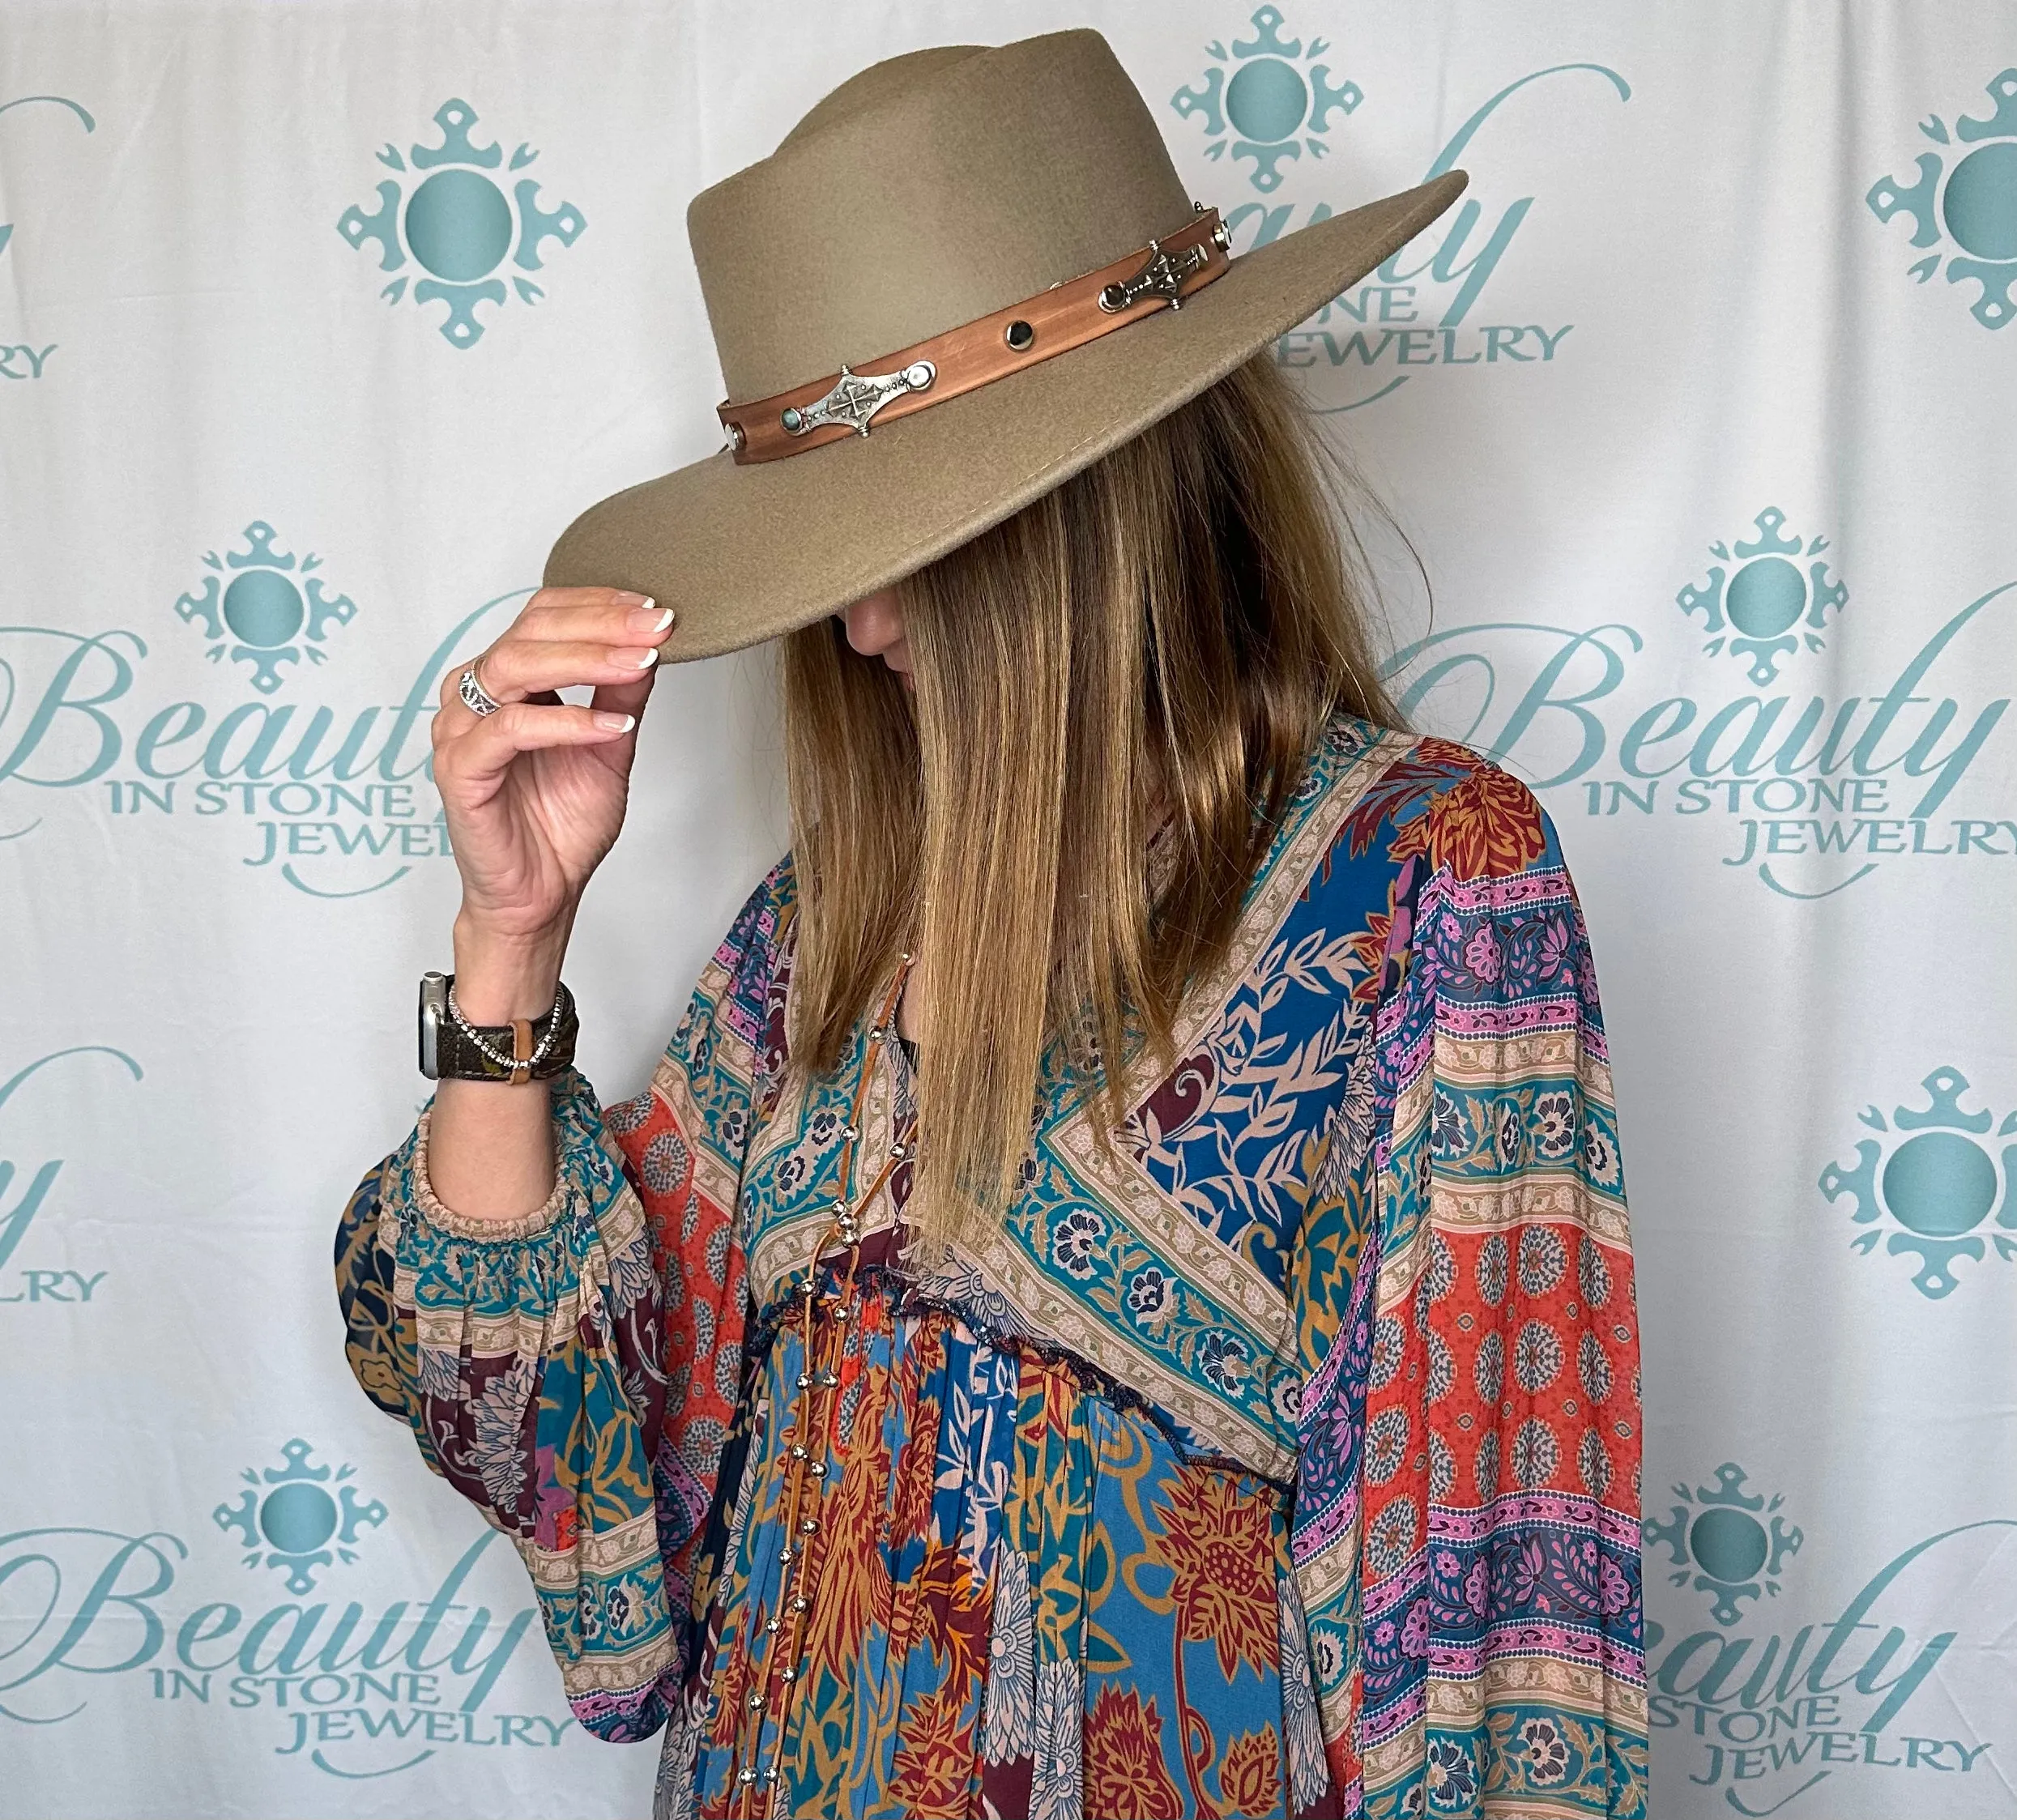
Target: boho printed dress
{"points": [[1280, 1458]]}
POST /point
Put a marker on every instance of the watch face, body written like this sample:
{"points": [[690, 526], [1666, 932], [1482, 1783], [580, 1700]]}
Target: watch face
{"points": [[433, 1004]]}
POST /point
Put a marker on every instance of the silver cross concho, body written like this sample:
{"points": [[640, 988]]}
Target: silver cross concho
{"points": [[856, 397], [1161, 277]]}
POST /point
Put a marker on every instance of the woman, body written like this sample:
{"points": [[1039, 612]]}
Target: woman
{"points": [[1116, 1299]]}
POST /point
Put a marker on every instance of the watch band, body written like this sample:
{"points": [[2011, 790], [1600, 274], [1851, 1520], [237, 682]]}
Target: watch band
{"points": [[526, 1049]]}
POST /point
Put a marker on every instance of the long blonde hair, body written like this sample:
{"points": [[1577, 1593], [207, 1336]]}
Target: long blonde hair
{"points": [[1165, 634]]}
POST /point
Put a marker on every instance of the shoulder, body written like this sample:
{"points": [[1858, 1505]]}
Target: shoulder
{"points": [[1485, 925], [1449, 810], [745, 976], [1447, 864], [766, 917]]}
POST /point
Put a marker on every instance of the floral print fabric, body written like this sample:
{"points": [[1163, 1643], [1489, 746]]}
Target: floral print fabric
{"points": [[1280, 1458]]}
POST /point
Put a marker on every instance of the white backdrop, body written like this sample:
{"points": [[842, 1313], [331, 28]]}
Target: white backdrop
{"points": [[318, 320]]}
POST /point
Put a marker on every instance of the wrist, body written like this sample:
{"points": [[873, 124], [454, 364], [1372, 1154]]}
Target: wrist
{"points": [[501, 977]]}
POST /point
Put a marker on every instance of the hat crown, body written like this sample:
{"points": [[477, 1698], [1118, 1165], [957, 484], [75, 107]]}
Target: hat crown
{"points": [[924, 192]]}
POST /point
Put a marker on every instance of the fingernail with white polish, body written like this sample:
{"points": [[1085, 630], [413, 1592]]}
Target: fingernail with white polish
{"points": [[617, 723], [649, 657]]}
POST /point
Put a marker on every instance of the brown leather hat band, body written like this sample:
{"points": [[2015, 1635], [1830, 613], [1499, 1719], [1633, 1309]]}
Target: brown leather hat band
{"points": [[977, 353]]}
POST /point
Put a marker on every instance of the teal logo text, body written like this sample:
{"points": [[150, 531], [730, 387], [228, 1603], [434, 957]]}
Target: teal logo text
{"points": [[83, 119], [1816, 791], [1424, 308], [25, 1189], [338, 805], [26, 359], [1762, 1718], [358, 1691]]}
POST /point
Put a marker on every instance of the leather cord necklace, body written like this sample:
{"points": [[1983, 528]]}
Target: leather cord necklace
{"points": [[809, 1442]]}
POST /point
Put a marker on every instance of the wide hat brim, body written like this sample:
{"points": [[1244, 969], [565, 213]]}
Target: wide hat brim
{"points": [[746, 553]]}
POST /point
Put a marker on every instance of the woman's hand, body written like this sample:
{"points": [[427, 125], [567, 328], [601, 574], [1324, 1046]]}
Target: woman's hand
{"points": [[535, 794]]}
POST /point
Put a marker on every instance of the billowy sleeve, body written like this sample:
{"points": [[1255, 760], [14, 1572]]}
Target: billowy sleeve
{"points": [[576, 1374], [1466, 1545]]}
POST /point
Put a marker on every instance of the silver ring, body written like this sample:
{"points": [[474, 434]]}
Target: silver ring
{"points": [[475, 697]]}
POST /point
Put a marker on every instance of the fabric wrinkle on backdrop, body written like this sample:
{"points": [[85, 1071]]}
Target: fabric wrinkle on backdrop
{"points": [[317, 323]]}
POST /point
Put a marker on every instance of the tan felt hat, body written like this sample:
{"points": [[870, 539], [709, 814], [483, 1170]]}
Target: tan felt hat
{"points": [[964, 275]]}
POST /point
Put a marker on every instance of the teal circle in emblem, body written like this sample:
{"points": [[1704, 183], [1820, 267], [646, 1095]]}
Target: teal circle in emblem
{"points": [[1727, 1545], [1266, 101], [298, 1519], [1938, 1184], [458, 225], [1766, 597], [1980, 202], [263, 609]]}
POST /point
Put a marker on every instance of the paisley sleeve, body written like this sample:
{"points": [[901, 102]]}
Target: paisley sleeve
{"points": [[575, 1373], [1469, 1568]]}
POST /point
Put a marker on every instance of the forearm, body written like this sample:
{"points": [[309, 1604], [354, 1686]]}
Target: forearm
{"points": [[506, 1350], [490, 1148]]}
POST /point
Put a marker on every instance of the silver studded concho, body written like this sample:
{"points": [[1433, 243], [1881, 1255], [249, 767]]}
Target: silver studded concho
{"points": [[856, 397], [1162, 277]]}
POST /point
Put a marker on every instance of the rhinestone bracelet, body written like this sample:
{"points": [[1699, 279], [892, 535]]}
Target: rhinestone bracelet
{"points": [[511, 1063]]}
